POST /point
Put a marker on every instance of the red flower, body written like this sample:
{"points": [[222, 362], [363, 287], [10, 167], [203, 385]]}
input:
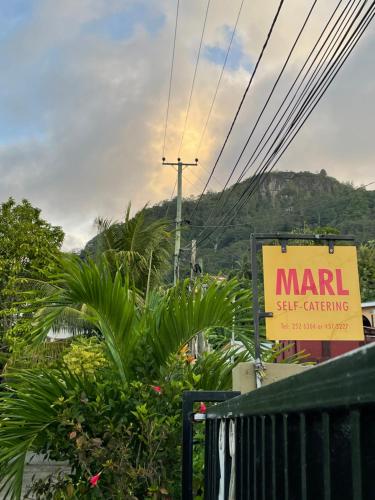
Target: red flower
{"points": [[156, 388], [202, 408], [94, 480]]}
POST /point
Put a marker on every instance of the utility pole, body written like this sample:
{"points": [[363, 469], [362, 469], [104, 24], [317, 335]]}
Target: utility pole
{"points": [[179, 164]]}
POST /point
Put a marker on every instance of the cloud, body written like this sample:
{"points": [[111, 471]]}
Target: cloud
{"points": [[237, 56], [121, 24], [84, 96]]}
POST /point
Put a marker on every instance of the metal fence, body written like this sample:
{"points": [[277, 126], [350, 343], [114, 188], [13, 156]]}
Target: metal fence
{"points": [[308, 437]]}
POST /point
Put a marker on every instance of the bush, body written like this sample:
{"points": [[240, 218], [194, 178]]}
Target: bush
{"points": [[129, 437], [86, 356]]}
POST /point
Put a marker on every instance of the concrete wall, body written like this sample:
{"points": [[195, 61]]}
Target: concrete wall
{"points": [[36, 466], [243, 375]]}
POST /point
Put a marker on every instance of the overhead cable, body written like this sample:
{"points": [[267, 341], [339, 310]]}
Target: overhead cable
{"points": [[314, 95], [270, 94], [219, 80], [280, 107], [283, 103], [342, 19], [194, 77], [302, 117], [241, 103], [170, 200], [171, 77], [340, 25], [309, 105]]}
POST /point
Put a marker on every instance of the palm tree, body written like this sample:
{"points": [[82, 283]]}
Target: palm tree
{"points": [[142, 249], [134, 332]]}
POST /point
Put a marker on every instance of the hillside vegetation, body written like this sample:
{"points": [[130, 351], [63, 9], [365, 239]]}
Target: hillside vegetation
{"points": [[285, 201]]}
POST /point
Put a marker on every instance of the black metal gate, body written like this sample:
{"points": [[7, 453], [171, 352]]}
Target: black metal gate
{"points": [[308, 437]]}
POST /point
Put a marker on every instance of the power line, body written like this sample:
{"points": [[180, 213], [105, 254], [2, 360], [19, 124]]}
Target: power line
{"points": [[336, 66], [241, 103], [275, 127], [197, 181], [358, 33], [252, 160], [258, 179], [227, 225], [324, 58], [220, 78], [246, 224], [263, 167], [171, 198], [277, 112], [171, 77], [194, 77], [194, 184], [266, 103]]}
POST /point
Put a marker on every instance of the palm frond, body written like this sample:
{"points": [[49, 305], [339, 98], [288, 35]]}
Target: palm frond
{"points": [[214, 369], [129, 244], [27, 409], [183, 314]]}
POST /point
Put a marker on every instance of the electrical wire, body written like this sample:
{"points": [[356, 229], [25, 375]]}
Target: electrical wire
{"points": [[194, 77], [358, 33], [323, 59], [219, 80], [331, 74], [227, 225], [269, 97], [273, 144], [241, 103], [307, 102], [171, 198], [337, 24], [247, 166], [171, 77]]}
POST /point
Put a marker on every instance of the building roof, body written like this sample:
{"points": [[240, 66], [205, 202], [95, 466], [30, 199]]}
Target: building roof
{"points": [[368, 304]]}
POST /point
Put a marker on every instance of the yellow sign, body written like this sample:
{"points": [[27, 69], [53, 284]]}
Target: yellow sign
{"points": [[313, 295]]}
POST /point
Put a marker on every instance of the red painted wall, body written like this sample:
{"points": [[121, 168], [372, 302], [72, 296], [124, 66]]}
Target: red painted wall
{"points": [[320, 351]]}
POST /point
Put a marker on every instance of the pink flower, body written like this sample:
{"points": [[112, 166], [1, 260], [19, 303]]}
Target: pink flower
{"points": [[156, 388], [94, 480], [202, 408]]}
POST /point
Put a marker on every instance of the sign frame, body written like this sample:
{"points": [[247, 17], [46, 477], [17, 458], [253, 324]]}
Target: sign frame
{"points": [[256, 243]]}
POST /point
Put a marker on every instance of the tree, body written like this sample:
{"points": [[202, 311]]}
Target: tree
{"points": [[366, 265], [27, 246], [141, 248]]}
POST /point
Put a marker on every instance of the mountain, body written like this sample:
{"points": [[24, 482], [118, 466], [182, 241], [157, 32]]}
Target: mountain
{"points": [[284, 201]]}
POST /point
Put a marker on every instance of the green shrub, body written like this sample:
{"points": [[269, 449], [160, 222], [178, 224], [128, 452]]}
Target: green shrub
{"points": [[129, 436], [86, 355]]}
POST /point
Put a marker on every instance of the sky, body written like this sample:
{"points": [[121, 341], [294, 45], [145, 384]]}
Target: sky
{"points": [[84, 91]]}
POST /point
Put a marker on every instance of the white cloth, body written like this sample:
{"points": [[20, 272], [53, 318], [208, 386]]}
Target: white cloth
{"points": [[232, 452], [221, 445]]}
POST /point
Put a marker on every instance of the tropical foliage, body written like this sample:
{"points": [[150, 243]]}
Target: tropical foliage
{"points": [[366, 264], [108, 402], [139, 248], [109, 420], [27, 246], [285, 201]]}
